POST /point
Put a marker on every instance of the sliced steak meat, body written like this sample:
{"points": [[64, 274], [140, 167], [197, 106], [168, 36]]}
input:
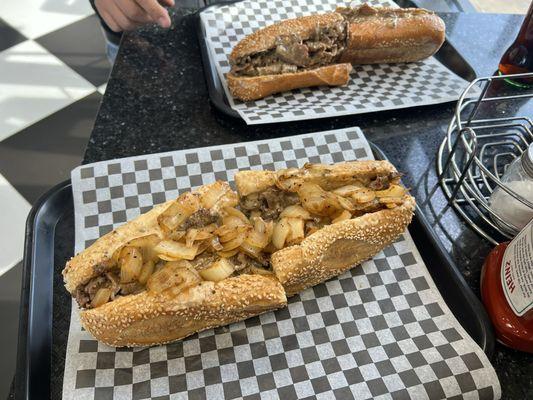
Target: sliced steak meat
{"points": [[199, 219], [274, 201], [96, 283], [250, 202], [381, 182], [270, 202], [290, 50], [82, 298], [292, 54], [243, 261], [277, 68], [85, 292]]}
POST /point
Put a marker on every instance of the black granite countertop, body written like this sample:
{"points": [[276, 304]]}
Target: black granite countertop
{"points": [[156, 100]]}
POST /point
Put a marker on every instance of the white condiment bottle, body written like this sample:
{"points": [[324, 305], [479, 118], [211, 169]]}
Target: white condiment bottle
{"points": [[519, 178]]}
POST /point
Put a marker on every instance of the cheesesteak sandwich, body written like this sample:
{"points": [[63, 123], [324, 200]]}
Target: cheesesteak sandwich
{"points": [[214, 256], [320, 49]]}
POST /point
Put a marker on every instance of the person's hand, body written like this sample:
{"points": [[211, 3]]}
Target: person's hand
{"points": [[125, 15]]}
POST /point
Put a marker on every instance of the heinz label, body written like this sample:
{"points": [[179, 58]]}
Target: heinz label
{"points": [[517, 271]]}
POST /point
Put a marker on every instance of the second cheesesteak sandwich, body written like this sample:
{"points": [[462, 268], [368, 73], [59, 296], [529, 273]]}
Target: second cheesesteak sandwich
{"points": [[320, 49], [213, 256]]}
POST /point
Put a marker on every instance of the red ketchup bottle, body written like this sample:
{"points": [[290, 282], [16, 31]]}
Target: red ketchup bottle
{"points": [[507, 290]]}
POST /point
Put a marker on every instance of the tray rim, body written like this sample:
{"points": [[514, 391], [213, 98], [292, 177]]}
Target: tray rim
{"points": [[24, 387], [217, 95], [24, 379]]}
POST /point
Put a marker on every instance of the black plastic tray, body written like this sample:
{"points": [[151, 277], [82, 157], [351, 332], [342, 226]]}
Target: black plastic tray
{"points": [[43, 330], [447, 55]]}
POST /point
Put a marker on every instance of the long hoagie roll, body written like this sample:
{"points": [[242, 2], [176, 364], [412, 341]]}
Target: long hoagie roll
{"points": [[215, 256], [289, 54]]}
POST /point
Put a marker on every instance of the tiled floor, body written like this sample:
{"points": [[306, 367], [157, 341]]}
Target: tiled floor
{"points": [[53, 73]]}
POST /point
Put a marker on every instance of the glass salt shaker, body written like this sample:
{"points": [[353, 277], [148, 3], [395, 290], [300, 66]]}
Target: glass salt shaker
{"points": [[519, 178]]}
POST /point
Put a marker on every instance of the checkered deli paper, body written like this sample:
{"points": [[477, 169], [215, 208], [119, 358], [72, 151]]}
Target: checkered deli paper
{"points": [[381, 330], [371, 87]]}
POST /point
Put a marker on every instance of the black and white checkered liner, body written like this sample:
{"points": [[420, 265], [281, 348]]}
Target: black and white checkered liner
{"points": [[379, 331], [371, 87]]}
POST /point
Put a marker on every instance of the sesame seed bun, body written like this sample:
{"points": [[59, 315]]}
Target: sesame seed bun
{"points": [[147, 319]]}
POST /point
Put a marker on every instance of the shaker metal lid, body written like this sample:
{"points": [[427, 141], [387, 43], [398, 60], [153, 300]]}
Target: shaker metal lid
{"points": [[527, 161]]}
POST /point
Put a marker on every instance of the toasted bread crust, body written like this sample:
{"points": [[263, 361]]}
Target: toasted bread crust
{"points": [[265, 39], [147, 319], [339, 247], [388, 39], [248, 88]]}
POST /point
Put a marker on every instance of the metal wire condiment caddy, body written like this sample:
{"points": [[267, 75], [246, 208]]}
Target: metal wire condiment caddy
{"points": [[487, 132]]}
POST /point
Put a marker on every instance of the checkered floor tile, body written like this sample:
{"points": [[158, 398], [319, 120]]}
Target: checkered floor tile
{"points": [[50, 91], [53, 73], [9, 36]]}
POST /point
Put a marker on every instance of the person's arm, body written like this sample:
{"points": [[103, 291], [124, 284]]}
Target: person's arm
{"points": [[113, 37], [124, 15]]}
